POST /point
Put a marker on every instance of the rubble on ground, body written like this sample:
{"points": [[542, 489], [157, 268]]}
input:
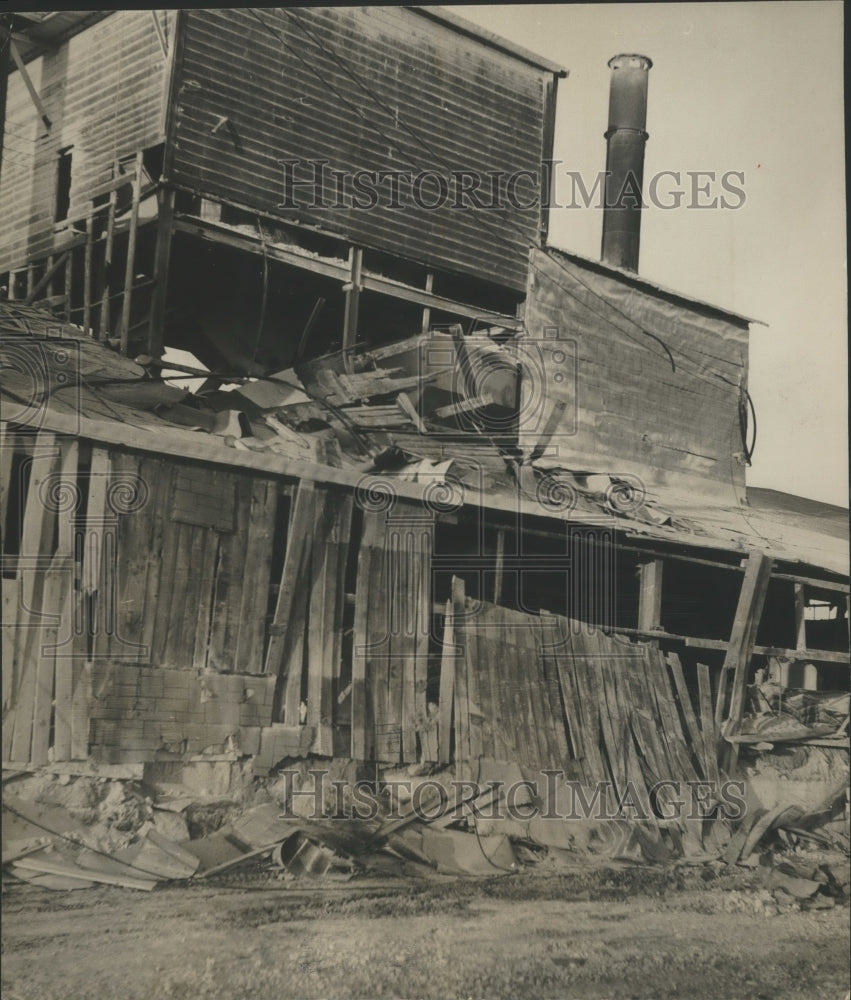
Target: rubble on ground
{"points": [[66, 831]]}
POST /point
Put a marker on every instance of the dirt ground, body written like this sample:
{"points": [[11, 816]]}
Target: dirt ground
{"points": [[615, 933]]}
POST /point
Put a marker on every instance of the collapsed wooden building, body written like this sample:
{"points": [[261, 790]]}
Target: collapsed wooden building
{"points": [[446, 495]]}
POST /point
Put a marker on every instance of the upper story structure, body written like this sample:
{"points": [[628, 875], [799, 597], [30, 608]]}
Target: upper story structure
{"points": [[266, 186]]}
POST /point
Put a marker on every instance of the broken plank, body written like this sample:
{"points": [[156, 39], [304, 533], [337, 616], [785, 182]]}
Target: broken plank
{"points": [[158, 474], [427, 730], [742, 637], [295, 588], [710, 738], [687, 708], [298, 536], [135, 528], [36, 545], [464, 406], [255, 590], [462, 704], [206, 584], [330, 545], [371, 537], [57, 581], [447, 688], [237, 579]]}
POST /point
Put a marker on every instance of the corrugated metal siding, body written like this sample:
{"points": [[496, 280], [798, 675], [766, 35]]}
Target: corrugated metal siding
{"points": [[104, 91], [366, 89]]}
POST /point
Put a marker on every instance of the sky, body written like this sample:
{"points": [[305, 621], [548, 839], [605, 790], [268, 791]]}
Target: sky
{"points": [[749, 87]]}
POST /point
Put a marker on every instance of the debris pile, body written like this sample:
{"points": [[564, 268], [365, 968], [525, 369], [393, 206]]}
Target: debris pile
{"points": [[63, 832]]}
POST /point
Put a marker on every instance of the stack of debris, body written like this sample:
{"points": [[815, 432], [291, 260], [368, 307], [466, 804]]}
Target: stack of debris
{"points": [[412, 823]]}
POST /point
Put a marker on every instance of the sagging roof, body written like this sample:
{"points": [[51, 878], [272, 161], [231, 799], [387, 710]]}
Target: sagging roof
{"points": [[377, 424]]}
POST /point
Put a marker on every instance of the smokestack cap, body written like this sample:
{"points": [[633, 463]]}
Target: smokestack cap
{"points": [[630, 60]]}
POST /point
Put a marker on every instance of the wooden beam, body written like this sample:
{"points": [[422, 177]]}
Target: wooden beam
{"points": [[429, 285], [104, 317], [34, 96], [46, 277], [124, 328], [69, 284], [87, 278], [800, 619], [738, 658], [650, 595], [811, 581], [162, 260], [816, 655], [159, 30], [499, 565], [340, 271], [447, 688], [350, 319]]}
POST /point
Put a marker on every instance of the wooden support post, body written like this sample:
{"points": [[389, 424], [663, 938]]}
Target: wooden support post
{"points": [[87, 277], [124, 329], [800, 620], [162, 259], [650, 595], [155, 15], [104, 320], [69, 284], [350, 320], [47, 277], [740, 648], [447, 688], [19, 65], [499, 566], [427, 311]]}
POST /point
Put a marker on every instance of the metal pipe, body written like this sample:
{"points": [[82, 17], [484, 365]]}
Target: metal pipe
{"points": [[625, 140]]}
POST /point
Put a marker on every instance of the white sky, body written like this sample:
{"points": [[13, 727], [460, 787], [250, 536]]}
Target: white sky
{"points": [[754, 87]]}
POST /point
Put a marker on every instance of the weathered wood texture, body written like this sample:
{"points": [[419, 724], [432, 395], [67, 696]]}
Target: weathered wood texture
{"points": [[137, 712], [139, 579], [373, 89], [104, 91], [625, 410]]}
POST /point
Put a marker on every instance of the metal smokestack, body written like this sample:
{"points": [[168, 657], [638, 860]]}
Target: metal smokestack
{"points": [[625, 139]]}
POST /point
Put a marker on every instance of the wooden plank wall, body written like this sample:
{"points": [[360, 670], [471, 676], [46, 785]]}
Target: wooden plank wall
{"points": [[113, 572], [550, 693], [365, 88], [104, 91], [382, 713]]}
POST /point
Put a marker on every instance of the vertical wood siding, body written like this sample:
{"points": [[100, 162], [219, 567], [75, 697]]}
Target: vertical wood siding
{"points": [[374, 88]]}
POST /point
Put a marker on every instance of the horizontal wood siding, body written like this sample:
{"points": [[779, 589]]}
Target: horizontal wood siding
{"points": [[374, 88], [648, 386], [104, 91]]}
